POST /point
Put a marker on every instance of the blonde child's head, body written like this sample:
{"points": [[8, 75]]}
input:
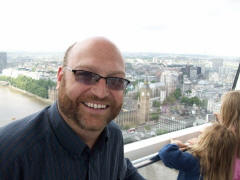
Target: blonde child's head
{"points": [[230, 111], [216, 148]]}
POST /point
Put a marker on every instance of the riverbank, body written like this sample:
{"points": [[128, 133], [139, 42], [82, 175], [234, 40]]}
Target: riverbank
{"points": [[43, 100]]}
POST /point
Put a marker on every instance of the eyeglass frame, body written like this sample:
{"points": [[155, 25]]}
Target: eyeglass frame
{"points": [[97, 78]]}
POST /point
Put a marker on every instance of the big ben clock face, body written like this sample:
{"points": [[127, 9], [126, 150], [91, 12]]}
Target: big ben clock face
{"points": [[142, 93]]}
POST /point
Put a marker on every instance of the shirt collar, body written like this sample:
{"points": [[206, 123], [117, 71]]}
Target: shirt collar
{"points": [[68, 138]]}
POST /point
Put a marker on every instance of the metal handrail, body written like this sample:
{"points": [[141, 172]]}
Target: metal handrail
{"points": [[146, 161]]}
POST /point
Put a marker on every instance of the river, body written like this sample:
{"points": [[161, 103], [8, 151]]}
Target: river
{"points": [[15, 105]]}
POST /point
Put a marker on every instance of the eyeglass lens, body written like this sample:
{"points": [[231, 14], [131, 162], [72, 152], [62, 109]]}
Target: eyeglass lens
{"points": [[90, 78]]}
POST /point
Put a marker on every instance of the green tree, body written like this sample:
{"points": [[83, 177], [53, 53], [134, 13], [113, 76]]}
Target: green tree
{"points": [[190, 101], [177, 93], [188, 91], [156, 103], [147, 128], [169, 100], [37, 87], [154, 116], [195, 100]]}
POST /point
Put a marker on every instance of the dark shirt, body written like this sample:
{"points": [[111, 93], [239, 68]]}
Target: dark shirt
{"points": [[43, 147], [186, 163]]}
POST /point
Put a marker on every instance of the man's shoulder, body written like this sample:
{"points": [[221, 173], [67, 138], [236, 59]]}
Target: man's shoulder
{"points": [[114, 130], [113, 127], [20, 135]]}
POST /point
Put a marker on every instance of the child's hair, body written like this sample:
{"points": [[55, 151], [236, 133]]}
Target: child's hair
{"points": [[230, 113], [216, 148]]}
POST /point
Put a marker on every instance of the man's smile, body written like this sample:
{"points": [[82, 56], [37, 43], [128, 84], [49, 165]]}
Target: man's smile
{"points": [[95, 106]]}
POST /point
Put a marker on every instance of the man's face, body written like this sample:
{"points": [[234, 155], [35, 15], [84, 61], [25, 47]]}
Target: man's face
{"points": [[91, 107]]}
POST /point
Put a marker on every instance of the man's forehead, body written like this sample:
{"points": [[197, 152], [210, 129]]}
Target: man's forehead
{"points": [[80, 58], [93, 44], [101, 68], [92, 51]]}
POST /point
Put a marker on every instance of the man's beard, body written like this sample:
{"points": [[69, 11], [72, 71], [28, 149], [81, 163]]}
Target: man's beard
{"points": [[71, 109]]}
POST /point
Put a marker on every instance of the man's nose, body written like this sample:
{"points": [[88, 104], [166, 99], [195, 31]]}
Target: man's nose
{"points": [[100, 89]]}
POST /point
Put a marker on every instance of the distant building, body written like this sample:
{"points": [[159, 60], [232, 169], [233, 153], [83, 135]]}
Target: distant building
{"points": [[199, 70], [128, 113], [169, 124], [213, 105], [193, 73], [171, 80], [214, 77], [187, 70], [144, 103], [210, 118], [127, 118], [14, 73], [135, 112], [217, 64], [158, 90], [187, 86], [3, 60]]}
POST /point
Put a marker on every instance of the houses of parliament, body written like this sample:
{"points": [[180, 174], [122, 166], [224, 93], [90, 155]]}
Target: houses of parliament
{"points": [[135, 112]]}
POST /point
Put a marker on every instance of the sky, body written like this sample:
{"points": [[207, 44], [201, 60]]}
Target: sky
{"points": [[208, 27]]}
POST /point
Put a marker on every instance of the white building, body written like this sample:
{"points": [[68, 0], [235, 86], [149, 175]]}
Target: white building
{"points": [[14, 73]]}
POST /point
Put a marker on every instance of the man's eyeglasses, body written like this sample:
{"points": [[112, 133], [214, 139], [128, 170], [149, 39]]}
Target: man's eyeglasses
{"points": [[90, 78]]}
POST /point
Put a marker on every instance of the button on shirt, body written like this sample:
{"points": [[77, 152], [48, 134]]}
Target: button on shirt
{"points": [[43, 147]]}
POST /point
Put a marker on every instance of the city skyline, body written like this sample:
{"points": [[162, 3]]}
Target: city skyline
{"points": [[178, 27]]}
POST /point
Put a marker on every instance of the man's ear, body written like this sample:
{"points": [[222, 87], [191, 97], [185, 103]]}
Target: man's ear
{"points": [[59, 76]]}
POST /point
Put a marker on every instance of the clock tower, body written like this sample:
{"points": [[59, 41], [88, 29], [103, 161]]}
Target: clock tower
{"points": [[143, 103]]}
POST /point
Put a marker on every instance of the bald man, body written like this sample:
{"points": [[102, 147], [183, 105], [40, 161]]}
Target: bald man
{"points": [[75, 137]]}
